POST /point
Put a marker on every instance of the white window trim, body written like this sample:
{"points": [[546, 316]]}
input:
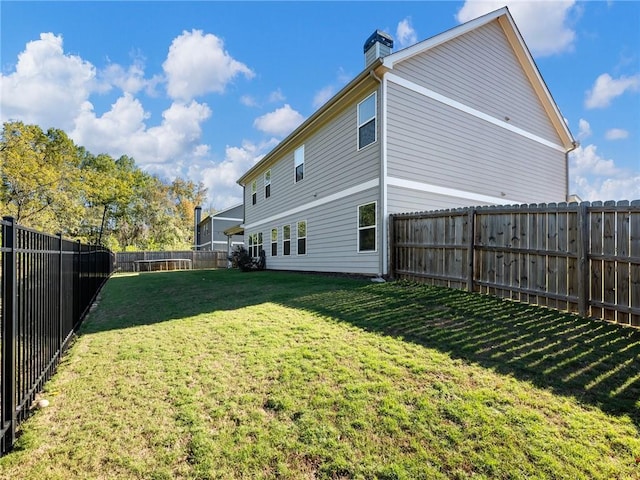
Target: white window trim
{"points": [[306, 235], [267, 182], [361, 123], [375, 250], [295, 165], [272, 242], [254, 191], [284, 239]]}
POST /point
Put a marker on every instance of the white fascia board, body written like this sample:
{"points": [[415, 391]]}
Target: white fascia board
{"points": [[441, 38], [228, 218], [531, 68]]}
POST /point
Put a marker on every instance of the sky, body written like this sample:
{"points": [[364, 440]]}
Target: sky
{"points": [[203, 90]]}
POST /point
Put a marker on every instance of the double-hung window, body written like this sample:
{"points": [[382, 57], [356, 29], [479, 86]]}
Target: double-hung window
{"points": [[367, 227], [254, 192], [286, 240], [267, 184], [255, 244], [302, 238], [367, 121], [274, 242], [298, 163]]}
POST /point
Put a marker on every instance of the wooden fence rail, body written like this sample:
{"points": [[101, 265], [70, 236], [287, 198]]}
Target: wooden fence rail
{"points": [[582, 258], [198, 259]]}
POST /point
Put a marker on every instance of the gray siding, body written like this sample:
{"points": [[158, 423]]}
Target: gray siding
{"points": [[403, 200], [434, 143], [479, 69], [212, 229], [332, 231], [332, 164]]}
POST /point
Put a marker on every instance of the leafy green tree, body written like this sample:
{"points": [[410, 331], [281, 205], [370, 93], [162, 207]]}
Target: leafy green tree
{"points": [[40, 187], [49, 183]]}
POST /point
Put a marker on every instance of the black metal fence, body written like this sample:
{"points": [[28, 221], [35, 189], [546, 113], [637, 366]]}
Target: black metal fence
{"points": [[47, 285]]}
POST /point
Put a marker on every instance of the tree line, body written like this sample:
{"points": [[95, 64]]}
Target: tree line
{"points": [[49, 183]]}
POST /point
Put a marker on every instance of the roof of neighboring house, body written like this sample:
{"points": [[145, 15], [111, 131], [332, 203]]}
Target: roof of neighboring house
{"points": [[381, 65], [223, 213]]}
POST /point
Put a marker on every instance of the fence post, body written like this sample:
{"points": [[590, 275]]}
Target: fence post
{"points": [[392, 247], [60, 300], [583, 259], [9, 319], [471, 248]]}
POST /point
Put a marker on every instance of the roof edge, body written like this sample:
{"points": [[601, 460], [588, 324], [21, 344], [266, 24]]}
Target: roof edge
{"points": [[284, 143]]}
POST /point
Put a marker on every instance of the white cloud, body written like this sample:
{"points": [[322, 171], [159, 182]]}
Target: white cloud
{"points": [[197, 64], [405, 33], [607, 88], [543, 24], [276, 96], [130, 80], [220, 179], [324, 94], [122, 131], [248, 101], [280, 122], [586, 160], [594, 177], [584, 129], [48, 86], [616, 134]]}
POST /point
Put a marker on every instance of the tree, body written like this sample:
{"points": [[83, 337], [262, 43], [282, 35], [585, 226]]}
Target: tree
{"points": [[39, 186], [49, 183]]}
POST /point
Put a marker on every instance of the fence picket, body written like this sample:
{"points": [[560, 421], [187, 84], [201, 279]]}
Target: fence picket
{"points": [[582, 258], [634, 264], [42, 306]]}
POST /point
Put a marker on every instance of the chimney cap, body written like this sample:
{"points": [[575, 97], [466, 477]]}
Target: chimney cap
{"points": [[378, 36]]}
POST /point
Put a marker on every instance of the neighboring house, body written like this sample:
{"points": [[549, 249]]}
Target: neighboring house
{"points": [[463, 118], [210, 231]]}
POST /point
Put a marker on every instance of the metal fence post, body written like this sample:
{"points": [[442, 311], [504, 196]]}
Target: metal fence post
{"points": [[9, 319], [60, 300]]}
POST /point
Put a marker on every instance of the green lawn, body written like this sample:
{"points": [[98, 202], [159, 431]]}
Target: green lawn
{"points": [[220, 374]]}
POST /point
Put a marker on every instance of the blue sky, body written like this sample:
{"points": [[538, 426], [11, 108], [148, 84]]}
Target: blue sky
{"points": [[204, 89]]}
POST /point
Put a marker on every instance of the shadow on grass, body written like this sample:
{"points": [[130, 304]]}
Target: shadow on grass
{"points": [[595, 362]]}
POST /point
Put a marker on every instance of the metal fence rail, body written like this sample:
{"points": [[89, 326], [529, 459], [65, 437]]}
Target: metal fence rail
{"points": [[582, 258], [47, 286]]}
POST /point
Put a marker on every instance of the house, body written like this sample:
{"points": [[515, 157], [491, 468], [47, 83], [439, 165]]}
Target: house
{"points": [[210, 232], [462, 118]]}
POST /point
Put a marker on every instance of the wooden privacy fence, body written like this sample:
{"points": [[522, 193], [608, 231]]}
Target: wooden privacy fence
{"points": [[170, 260], [582, 258]]}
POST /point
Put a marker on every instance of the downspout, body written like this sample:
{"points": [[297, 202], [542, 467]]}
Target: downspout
{"points": [[566, 167], [382, 262]]}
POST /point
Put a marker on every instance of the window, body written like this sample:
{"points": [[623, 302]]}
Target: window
{"points": [[302, 238], [255, 244], [267, 184], [274, 242], [298, 161], [254, 191], [251, 245], [367, 121], [367, 227], [286, 240]]}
